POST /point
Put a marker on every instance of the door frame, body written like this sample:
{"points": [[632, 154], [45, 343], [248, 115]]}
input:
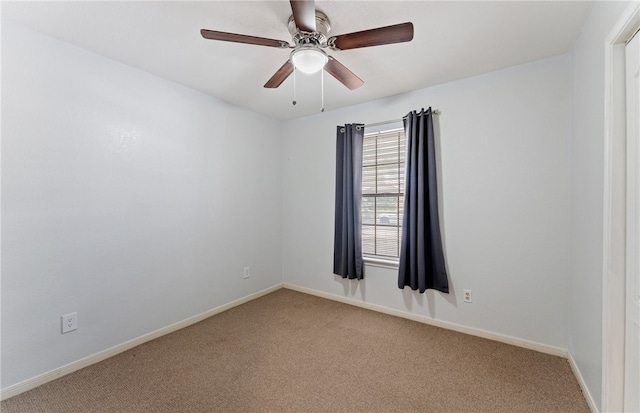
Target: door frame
{"points": [[614, 217]]}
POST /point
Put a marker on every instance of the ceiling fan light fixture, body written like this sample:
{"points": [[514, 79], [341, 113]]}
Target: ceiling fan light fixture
{"points": [[309, 59]]}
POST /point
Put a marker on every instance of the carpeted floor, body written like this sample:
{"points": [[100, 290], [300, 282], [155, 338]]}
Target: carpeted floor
{"points": [[292, 352]]}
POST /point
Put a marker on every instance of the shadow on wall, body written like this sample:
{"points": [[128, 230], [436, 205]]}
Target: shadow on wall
{"points": [[410, 296], [351, 287], [358, 288]]}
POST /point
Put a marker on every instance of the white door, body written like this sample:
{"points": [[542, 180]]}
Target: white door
{"points": [[632, 319]]}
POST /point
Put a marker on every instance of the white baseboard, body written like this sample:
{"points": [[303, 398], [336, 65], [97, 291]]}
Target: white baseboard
{"points": [[583, 385], [110, 352], [531, 345]]}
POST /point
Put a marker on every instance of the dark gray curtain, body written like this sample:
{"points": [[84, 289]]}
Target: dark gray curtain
{"points": [[421, 256], [347, 245]]}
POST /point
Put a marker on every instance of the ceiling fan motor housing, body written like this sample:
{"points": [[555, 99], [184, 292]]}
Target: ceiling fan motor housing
{"points": [[306, 39], [323, 25]]}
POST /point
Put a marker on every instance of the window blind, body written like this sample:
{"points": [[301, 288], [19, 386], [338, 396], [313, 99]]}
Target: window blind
{"points": [[383, 170]]}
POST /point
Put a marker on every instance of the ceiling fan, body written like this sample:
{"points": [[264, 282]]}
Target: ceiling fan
{"points": [[309, 28]]}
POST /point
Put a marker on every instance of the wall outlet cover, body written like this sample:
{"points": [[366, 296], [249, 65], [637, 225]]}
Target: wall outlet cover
{"points": [[69, 322]]}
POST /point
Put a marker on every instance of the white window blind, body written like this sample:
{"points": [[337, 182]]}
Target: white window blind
{"points": [[383, 192]]}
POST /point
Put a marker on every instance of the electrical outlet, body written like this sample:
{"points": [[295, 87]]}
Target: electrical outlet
{"points": [[467, 296], [247, 272], [69, 322]]}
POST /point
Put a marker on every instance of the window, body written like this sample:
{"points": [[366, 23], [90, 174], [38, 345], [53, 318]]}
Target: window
{"points": [[383, 193]]}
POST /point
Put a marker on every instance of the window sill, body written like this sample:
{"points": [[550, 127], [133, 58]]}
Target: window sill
{"points": [[381, 262]]}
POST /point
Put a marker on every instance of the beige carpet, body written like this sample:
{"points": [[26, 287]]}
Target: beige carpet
{"points": [[292, 352]]}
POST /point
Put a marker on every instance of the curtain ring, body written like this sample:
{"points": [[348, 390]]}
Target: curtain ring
{"points": [[342, 130]]}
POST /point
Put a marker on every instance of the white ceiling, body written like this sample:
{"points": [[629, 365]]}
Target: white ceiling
{"points": [[452, 40]]}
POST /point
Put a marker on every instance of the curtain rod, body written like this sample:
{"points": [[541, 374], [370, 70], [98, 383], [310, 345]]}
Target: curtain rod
{"points": [[386, 122]]}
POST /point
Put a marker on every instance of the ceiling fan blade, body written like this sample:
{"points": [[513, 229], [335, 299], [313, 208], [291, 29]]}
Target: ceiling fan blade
{"points": [[397, 33], [276, 80], [242, 38], [344, 75], [304, 14]]}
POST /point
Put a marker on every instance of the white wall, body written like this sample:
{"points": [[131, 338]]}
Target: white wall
{"points": [[504, 142], [587, 197], [127, 198]]}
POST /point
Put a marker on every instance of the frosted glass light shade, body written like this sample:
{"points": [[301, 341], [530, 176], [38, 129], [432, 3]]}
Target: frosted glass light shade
{"points": [[309, 60]]}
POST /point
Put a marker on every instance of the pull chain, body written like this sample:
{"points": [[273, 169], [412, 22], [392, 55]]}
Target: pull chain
{"points": [[322, 88], [294, 86]]}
